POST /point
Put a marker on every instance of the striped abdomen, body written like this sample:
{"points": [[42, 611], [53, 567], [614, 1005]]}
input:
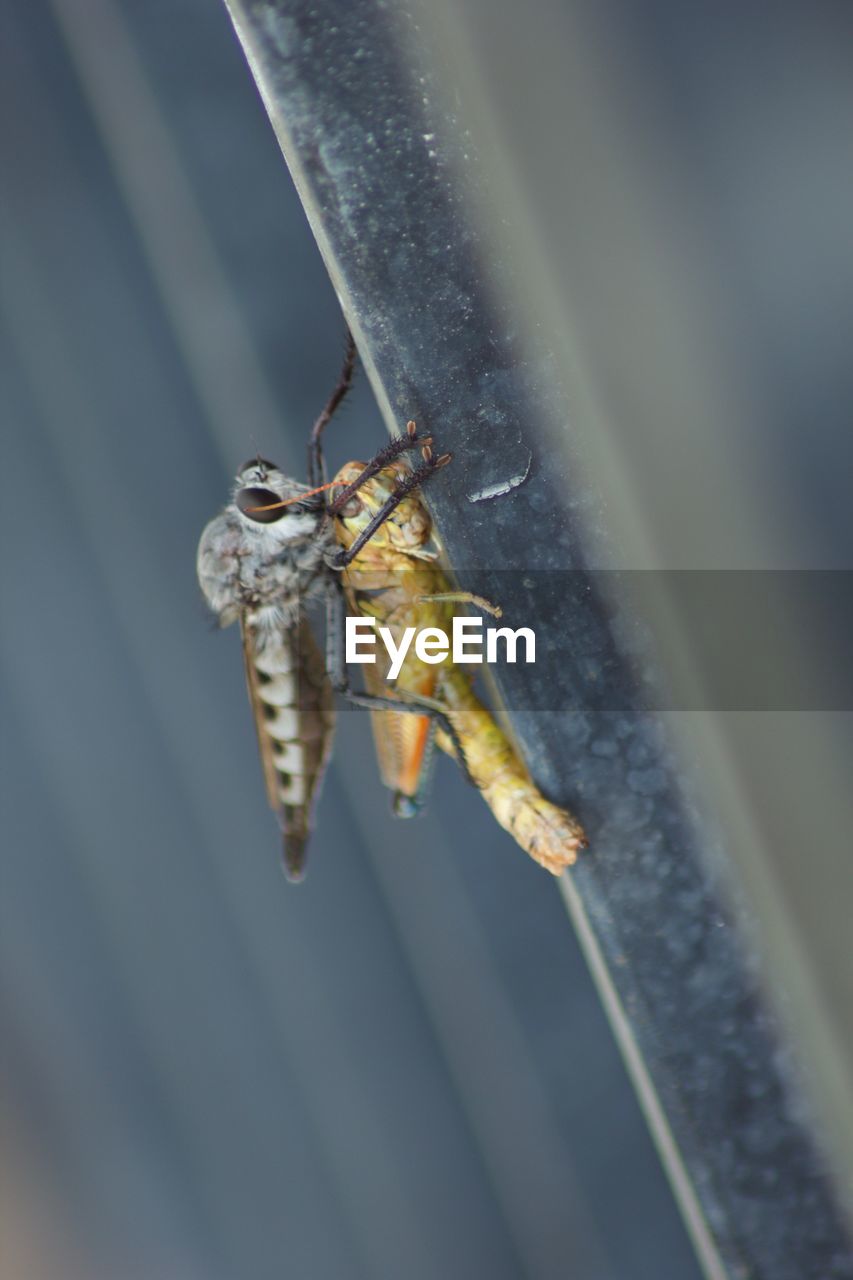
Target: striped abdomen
{"points": [[294, 717]]}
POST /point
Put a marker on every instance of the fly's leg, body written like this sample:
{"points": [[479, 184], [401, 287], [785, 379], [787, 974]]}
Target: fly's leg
{"points": [[404, 487], [413, 704], [391, 451], [316, 462], [316, 459]]}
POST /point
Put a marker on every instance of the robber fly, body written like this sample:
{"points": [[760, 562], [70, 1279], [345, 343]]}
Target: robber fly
{"points": [[394, 578], [270, 552]]}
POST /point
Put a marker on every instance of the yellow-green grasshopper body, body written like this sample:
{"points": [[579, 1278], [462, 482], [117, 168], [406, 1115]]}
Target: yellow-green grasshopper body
{"points": [[395, 579]]}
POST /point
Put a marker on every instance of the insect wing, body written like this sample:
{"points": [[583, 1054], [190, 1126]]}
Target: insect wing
{"points": [[291, 700], [404, 748]]}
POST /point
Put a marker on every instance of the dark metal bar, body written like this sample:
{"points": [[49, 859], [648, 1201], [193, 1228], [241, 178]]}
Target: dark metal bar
{"points": [[375, 156]]}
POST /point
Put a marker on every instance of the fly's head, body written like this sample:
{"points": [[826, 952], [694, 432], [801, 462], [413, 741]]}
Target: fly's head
{"points": [[273, 508], [267, 550]]}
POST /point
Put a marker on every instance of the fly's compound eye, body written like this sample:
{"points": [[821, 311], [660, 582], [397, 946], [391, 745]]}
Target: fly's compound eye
{"points": [[251, 502]]}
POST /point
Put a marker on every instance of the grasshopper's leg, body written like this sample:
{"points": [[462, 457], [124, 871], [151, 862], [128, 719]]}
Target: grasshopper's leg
{"points": [[413, 704], [316, 462], [466, 597]]}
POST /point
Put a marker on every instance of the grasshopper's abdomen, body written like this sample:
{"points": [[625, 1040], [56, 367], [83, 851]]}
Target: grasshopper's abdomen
{"points": [[551, 835]]}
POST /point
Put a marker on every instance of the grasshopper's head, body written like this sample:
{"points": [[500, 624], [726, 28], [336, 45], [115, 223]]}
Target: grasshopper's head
{"points": [[407, 529]]}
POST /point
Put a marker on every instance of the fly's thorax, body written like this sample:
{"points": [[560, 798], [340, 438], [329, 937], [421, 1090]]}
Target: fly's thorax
{"points": [[259, 554]]}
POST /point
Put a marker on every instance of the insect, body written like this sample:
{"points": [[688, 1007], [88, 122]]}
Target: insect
{"points": [[278, 544], [260, 561], [395, 579]]}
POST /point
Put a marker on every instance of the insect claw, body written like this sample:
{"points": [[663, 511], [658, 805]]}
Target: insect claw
{"points": [[426, 453], [412, 432], [443, 460]]}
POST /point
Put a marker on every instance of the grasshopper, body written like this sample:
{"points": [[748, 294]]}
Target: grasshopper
{"points": [[279, 544], [394, 577]]}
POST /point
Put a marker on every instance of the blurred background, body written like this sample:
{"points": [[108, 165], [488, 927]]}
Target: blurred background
{"points": [[400, 1067]]}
